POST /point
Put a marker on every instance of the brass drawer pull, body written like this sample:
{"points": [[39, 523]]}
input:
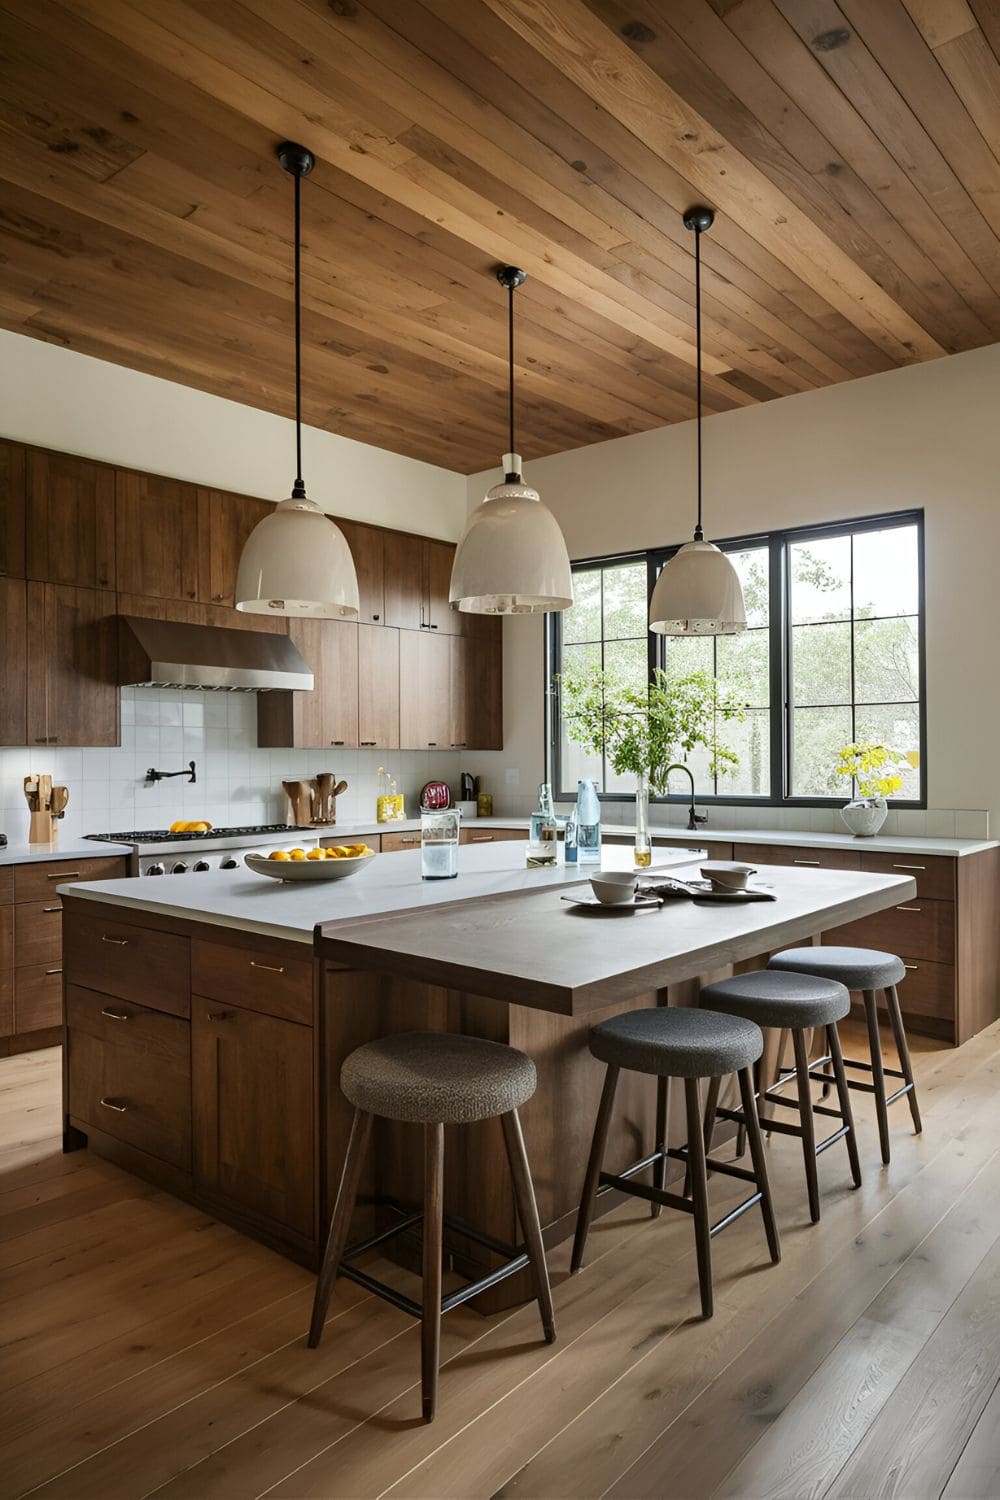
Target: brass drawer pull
{"points": [[911, 966], [53, 971], [65, 875], [408, 838], [115, 942], [218, 1015], [805, 861], [114, 1104], [909, 908], [909, 867], [51, 908], [116, 1015], [268, 968], [481, 838]]}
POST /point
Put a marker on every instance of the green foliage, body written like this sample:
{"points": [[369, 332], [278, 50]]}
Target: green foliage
{"points": [[643, 729]]}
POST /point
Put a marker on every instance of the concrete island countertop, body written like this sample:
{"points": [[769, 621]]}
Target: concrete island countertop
{"points": [[20, 852], [390, 884]]}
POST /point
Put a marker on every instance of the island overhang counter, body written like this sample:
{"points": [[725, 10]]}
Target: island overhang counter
{"points": [[208, 1018]]}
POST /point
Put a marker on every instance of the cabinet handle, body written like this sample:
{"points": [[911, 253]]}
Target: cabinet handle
{"points": [[805, 861], [366, 743], [432, 744], [433, 627], [218, 598], [53, 739], [909, 867], [909, 908], [51, 908], [375, 617], [458, 744], [336, 742], [911, 966], [54, 971], [116, 1015], [115, 942], [268, 968], [114, 1104], [218, 1015], [65, 875], [481, 838], [408, 838], [41, 740]]}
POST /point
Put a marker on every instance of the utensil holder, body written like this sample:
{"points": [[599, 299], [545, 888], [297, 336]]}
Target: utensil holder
{"points": [[41, 829]]}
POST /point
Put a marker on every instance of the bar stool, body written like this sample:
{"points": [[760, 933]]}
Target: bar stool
{"points": [[867, 970], [795, 1003], [434, 1079], [678, 1042]]}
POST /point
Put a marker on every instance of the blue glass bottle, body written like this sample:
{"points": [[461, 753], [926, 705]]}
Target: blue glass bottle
{"points": [[588, 823], [570, 838]]}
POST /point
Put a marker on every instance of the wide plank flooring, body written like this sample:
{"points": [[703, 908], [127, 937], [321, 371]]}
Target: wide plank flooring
{"points": [[146, 1349]]}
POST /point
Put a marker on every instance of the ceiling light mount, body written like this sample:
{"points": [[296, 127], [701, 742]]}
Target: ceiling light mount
{"points": [[511, 277], [296, 159], [699, 219]]}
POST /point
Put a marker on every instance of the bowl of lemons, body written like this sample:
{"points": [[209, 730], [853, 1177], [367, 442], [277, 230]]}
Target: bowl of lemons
{"points": [[335, 863]]}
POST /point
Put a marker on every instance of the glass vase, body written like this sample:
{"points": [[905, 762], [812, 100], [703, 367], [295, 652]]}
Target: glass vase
{"points": [[643, 842]]}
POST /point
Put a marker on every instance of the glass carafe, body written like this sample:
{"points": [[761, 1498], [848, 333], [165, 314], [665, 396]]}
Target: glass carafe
{"points": [[439, 844]]}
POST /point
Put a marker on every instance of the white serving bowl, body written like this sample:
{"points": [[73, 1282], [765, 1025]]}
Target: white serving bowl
{"points": [[727, 874], [614, 887], [308, 869]]}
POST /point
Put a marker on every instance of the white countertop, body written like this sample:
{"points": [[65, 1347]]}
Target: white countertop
{"points": [[387, 884], [20, 852], [707, 834]]}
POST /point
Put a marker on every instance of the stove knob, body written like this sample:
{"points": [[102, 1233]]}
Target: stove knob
{"points": [[229, 863], [179, 868], [201, 864], [155, 870]]}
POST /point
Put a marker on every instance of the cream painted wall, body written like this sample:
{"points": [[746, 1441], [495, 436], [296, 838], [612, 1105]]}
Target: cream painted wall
{"points": [[925, 436], [56, 398]]}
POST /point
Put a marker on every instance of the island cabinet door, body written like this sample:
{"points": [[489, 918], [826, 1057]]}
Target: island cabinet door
{"points": [[252, 1100]]}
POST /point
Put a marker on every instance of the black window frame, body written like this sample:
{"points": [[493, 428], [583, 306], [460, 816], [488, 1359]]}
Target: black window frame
{"points": [[778, 544]]}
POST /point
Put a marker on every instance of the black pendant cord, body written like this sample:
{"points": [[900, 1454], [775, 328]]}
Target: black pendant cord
{"points": [[698, 533], [510, 364], [298, 488]]}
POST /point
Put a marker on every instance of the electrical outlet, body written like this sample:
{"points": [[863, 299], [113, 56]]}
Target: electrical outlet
{"points": [[512, 776]]}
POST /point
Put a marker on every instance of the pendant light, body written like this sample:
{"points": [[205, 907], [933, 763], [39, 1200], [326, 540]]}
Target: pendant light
{"points": [[512, 558], [297, 561], [699, 591]]}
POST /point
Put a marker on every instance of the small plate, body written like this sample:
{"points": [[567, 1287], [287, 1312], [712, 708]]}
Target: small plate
{"points": [[307, 869], [592, 903]]}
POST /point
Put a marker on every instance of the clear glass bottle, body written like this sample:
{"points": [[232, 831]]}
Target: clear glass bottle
{"points": [[643, 842], [570, 846], [588, 823], [543, 832], [439, 835]]}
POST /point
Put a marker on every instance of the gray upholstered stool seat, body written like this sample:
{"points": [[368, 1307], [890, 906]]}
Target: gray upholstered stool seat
{"points": [[773, 998], [857, 968], [437, 1078], [677, 1042]]}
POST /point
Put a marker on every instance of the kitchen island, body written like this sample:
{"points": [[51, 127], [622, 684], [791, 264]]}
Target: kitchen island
{"points": [[208, 1018]]}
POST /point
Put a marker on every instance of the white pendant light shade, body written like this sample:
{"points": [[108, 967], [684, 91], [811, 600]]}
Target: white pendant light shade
{"points": [[512, 558], [297, 562], [698, 593]]}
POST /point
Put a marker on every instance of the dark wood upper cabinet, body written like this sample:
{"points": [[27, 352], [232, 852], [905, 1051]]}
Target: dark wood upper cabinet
{"points": [[327, 717], [156, 528], [378, 688], [12, 500], [438, 559], [72, 662], [424, 690], [225, 522], [13, 661], [368, 550], [476, 693], [70, 520], [404, 580]]}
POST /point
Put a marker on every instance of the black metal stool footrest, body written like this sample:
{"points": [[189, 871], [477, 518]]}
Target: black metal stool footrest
{"points": [[622, 1181], [783, 1127], [516, 1260]]}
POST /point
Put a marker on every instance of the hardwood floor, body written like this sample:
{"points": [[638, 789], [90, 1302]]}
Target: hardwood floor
{"points": [[145, 1348]]}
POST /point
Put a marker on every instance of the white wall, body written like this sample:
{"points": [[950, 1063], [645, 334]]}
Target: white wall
{"points": [[56, 398], [924, 436]]}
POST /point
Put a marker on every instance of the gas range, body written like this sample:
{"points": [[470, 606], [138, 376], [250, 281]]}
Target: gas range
{"points": [[157, 851]]}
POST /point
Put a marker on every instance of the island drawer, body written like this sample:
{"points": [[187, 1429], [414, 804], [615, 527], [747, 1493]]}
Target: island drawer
{"points": [[38, 997], [38, 932], [492, 835], [928, 989], [392, 843], [6, 885], [133, 963], [934, 874], [33, 882], [794, 854], [269, 983], [923, 929], [122, 1023], [127, 1090]]}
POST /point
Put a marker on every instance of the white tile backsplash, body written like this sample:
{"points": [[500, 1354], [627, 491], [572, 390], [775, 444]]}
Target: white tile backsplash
{"points": [[237, 782]]}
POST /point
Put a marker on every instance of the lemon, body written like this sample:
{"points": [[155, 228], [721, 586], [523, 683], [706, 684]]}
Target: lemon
{"points": [[315, 854], [297, 854], [277, 854]]}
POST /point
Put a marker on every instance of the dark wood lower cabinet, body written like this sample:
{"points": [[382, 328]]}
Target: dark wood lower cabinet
{"points": [[252, 1110]]}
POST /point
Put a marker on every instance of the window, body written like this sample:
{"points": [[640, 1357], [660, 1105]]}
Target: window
{"points": [[833, 652]]}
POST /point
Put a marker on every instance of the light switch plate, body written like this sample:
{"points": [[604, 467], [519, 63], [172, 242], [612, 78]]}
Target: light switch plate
{"points": [[512, 776]]}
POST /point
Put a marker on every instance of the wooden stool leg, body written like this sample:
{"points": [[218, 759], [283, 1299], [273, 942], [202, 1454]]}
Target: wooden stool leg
{"points": [[905, 1066], [699, 1193], [660, 1144], [844, 1099], [589, 1195], [711, 1105], [527, 1212], [878, 1075], [433, 1231], [759, 1160], [807, 1120], [340, 1223]]}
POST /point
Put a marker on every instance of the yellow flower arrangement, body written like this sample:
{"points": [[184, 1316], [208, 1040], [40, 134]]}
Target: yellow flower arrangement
{"points": [[876, 768]]}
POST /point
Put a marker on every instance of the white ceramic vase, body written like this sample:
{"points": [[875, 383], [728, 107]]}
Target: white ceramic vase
{"points": [[865, 816]]}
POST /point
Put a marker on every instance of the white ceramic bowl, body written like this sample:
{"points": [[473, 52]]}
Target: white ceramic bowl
{"points": [[307, 869], [614, 887], [727, 875]]}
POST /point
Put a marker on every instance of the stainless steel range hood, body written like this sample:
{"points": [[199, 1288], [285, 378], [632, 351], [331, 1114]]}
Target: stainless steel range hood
{"points": [[164, 653]]}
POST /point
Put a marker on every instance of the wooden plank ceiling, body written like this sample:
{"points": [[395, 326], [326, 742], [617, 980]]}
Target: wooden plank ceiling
{"points": [[851, 150]]}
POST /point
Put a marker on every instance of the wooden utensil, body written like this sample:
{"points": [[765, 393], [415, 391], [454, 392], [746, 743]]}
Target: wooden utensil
{"points": [[60, 800], [45, 794], [300, 796], [31, 792], [323, 809]]}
